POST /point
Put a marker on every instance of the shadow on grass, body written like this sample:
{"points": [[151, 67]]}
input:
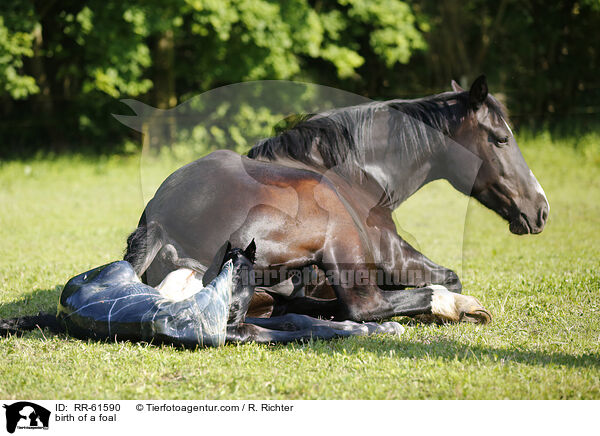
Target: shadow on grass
{"points": [[40, 300], [451, 350], [45, 300]]}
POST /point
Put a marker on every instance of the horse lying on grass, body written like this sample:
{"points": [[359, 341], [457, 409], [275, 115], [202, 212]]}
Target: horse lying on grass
{"points": [[321, 195], [110, 302]]}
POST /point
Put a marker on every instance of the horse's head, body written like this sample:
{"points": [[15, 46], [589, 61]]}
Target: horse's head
{"points": [[504, 182]]}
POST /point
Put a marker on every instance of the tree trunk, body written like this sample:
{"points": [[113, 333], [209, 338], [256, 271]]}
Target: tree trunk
{"points": [[164, 90], [43, 101]]}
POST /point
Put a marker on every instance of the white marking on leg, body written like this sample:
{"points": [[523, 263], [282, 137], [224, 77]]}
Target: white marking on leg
{"points": [[443, 303]]}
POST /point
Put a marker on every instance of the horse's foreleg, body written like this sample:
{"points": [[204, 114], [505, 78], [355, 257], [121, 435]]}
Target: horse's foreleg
{"points": [[361, 297], [366, 303], [406, 267], [369, 302]]}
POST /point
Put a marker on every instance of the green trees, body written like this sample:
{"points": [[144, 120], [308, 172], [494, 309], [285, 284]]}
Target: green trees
{"points": [[64, 64], [543, 56], [69, 61]]}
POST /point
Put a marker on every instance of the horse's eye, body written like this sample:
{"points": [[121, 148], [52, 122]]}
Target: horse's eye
{"points": [[501, 142]]}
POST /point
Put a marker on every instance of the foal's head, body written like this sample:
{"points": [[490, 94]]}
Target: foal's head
{"points": [[243, 287], [504, 183]]}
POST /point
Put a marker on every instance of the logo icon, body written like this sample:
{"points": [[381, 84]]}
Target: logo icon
{"points": [[26, 415]]}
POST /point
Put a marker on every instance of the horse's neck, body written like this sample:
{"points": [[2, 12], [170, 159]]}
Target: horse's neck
{"points": [[399, 179], [396, 161]]}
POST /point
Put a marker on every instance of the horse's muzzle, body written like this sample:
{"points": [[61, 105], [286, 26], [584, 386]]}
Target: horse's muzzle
{"points": [[534, 223], [519, 226]]}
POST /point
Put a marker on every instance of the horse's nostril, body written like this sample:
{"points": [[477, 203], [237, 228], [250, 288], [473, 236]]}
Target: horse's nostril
{"points": [[542, 216]]}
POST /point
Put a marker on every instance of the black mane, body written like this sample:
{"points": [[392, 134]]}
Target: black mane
{"points": [[342, 136]]}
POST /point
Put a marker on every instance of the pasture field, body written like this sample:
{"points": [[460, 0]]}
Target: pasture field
{"points": [[61, 216]]}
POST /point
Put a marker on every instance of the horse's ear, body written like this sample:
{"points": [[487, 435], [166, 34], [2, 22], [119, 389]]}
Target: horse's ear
{"points": [[478, 92], [250, 251], [215, 267], [456, 87]]}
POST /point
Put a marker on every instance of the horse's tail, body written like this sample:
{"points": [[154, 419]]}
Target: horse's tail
{"points": [[143, 245], [26, 323]]}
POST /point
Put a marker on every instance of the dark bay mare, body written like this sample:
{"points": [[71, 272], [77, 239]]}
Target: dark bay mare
{"points": [[319, 197]]}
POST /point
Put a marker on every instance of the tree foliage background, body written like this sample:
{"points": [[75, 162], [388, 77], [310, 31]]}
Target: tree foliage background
{"points": [[64, 64]]}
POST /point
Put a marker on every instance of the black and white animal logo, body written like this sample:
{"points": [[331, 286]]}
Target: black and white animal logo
{"points": [[26, 415]]}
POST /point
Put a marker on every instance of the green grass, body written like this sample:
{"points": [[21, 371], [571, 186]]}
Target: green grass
{"points": [[60, 217]]}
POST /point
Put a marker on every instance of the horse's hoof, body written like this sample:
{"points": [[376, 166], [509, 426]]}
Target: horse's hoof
{"points": [[447, 306], [471, 310], [480, 316], [385, 328], [392, 328]]}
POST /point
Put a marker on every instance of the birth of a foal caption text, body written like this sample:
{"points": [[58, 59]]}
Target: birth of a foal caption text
{"points": [[111, 412], [164, 417]]}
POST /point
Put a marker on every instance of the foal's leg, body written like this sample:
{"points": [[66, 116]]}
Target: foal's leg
{"points": [[244, 333], [292, 327], [292, 321]]}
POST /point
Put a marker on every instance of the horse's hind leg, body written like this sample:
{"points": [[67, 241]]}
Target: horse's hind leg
{"points": [[172, 257], [170, 254], [152, 256], [143, 245]]}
